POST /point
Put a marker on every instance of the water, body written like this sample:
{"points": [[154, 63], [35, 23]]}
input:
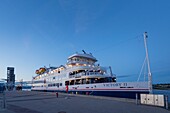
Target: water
{"points": [[164, 92]]}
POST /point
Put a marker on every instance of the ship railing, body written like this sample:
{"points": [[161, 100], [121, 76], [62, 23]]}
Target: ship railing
{"points": [[73, 67], [81, 62], [93, 73], [85, 66], [87, 74]]}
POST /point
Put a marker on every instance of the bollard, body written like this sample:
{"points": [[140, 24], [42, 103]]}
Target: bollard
{"points": [[57, 94], [136, 99], [166, 101]]}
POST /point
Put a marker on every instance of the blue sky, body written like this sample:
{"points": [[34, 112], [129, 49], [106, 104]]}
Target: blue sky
{"points": [[36, 33]]}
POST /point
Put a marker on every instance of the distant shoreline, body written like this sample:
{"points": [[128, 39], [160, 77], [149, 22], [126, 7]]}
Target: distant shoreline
{"points": [[161, 86]]}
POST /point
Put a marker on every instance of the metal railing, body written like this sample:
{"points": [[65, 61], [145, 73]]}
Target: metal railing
{"points": [[87, 74]]}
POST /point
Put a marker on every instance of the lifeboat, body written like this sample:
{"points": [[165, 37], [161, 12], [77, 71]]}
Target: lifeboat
{"points": [[42, 70], [37, 72]]}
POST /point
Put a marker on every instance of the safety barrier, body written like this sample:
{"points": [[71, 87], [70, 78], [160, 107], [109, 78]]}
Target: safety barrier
{"points": [[155, 100]]}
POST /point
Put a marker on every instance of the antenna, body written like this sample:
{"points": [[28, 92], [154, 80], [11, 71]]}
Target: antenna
{"points": [[147, 59], [84, 52], [110, 70]]}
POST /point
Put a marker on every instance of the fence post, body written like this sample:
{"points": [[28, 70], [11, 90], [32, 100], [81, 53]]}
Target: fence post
{"points": [[136, 99], [166, 101]]}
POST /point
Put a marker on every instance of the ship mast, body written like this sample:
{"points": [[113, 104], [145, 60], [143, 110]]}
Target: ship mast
{"points": [[148, 63]]}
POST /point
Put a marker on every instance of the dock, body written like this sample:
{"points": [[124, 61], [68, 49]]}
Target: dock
{"points": [[48, 102]]}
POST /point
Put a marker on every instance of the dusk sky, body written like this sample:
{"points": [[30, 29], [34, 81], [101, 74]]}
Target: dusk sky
{"points": [[36, 33]]}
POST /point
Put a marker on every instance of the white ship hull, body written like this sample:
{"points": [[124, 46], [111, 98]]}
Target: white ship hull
{"points": [[121, 89]]}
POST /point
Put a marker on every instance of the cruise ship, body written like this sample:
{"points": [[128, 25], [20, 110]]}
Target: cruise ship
{"points": [[82, 75]]}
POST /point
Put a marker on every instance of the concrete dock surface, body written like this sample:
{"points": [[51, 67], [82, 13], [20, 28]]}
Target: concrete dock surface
{"points": [[47, 102]]}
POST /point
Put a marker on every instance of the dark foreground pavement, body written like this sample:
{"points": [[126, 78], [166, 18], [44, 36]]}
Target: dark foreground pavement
{"points": [[43, 102]]}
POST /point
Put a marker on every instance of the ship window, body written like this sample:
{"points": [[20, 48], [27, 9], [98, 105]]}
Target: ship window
{"points": [[71, 73], [78, 81], [101, 80], [84, 81], [97, 80], [50, 85], [58, 71], [53, 77], [92, 80], [72, 82], [66, 83], [57, 84], [113, 79], [60, 84], [108, 79], [87, 81]]}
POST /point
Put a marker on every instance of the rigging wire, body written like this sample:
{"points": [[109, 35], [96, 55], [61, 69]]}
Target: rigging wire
{"points": [[144, 64], [153, 72]]}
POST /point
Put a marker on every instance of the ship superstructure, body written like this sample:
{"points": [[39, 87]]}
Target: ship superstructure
{"points": [[83, 75]]}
